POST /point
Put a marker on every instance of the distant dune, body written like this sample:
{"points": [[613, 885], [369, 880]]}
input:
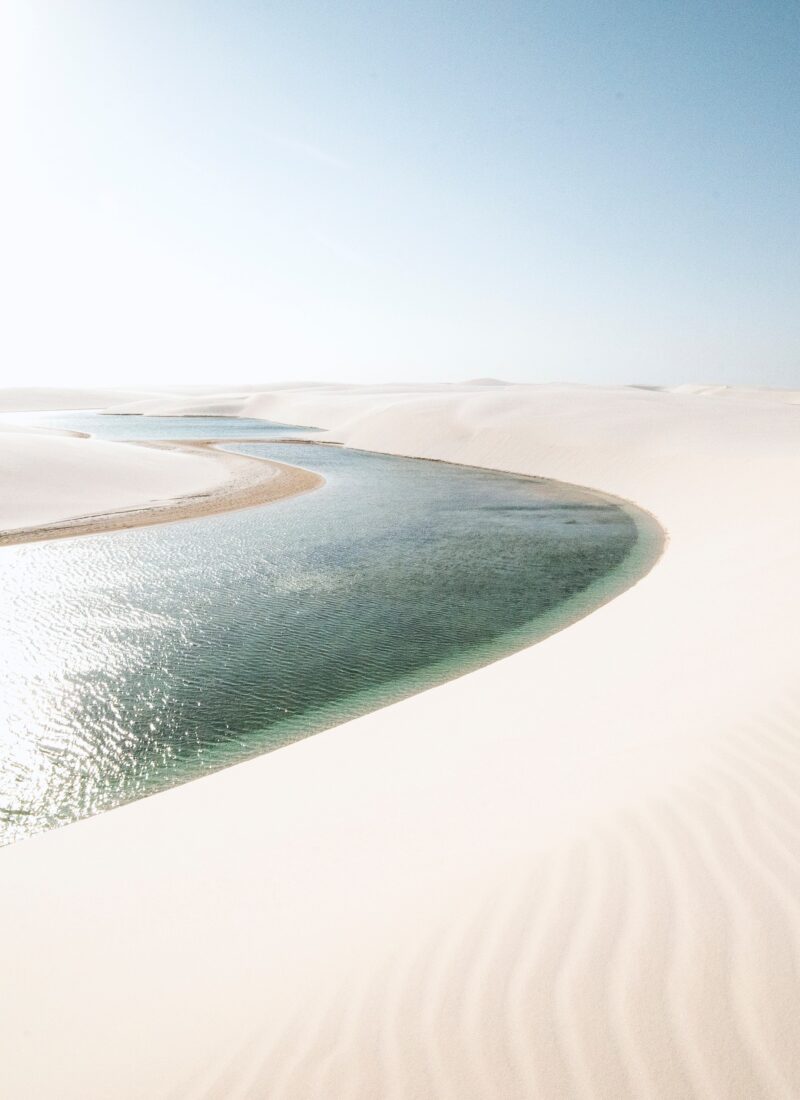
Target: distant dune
{"points": [[486, 382], [35, 398]]}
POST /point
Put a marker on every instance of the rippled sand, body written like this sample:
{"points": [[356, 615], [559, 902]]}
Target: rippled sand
{"points": [[573, 873]]}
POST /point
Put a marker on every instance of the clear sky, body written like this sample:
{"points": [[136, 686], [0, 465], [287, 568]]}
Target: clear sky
{"points": [[257, 191]]}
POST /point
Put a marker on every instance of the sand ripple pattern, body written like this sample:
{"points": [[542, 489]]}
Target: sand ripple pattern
{"points": [[572, 874], [657, 957]]}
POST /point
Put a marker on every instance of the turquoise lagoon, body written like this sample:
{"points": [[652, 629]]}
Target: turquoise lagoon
{"points": [[140, 659]]}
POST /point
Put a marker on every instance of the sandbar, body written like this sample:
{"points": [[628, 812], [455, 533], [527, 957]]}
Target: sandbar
{"points": [[235, 481]]}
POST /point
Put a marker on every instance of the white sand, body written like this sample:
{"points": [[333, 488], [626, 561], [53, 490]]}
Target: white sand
{"points": [[33, 398], [46, 478], [573, 873], [60, 484]]}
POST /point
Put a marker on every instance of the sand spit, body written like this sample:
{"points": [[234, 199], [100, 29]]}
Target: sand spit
{"points": [[571, 874], [229, 482]]}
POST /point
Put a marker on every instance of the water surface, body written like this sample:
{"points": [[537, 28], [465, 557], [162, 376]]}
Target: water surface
{"points": [[122, 427], [138, 659]]}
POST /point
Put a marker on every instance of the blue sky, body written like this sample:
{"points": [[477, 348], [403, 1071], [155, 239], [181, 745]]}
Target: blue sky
{"points": [[264, 191]]}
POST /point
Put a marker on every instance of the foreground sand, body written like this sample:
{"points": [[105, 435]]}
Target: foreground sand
{"points": [[57, 485], [573, 873]]}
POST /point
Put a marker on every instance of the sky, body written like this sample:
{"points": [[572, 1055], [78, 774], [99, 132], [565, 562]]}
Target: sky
{"points": [[253, 191]]}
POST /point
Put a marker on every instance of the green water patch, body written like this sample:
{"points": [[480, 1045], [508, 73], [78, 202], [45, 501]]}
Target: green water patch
{"points": [[137, 660]]}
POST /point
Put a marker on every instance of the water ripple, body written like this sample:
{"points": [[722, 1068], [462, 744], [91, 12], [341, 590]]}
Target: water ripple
{"points": [[139, 659]]}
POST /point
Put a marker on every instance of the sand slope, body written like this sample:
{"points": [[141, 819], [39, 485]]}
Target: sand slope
{"points": [[39, 398], [573, 873], [48, 477], [57, 484]]}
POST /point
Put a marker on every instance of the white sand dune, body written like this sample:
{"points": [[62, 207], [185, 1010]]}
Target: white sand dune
{"points": [[221, 404], [59, 484], [48, 477], [573, 873], [39, 398]]}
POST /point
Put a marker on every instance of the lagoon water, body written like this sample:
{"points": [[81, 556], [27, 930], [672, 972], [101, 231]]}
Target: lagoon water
{"points": [[139, 659], [157, 427]]}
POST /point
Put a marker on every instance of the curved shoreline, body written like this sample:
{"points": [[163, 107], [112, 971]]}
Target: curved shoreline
{"points": [[253, 481], [633, 555], [570, 871]]}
